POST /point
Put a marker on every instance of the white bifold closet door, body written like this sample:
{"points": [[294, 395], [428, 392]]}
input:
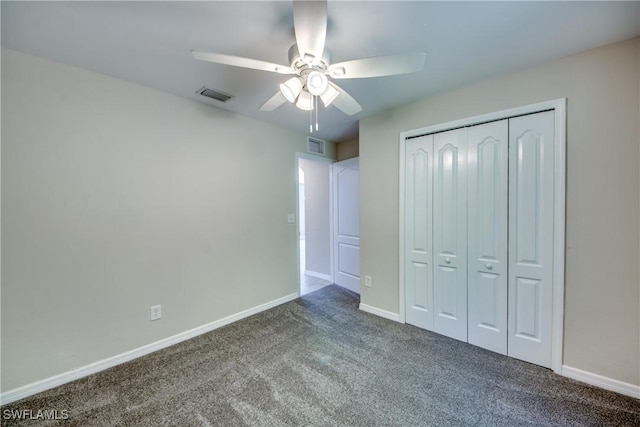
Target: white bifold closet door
{"points": [[478, 236], [450, 233], [418, 232], [436, 238], [487, 211], [531, 178]]}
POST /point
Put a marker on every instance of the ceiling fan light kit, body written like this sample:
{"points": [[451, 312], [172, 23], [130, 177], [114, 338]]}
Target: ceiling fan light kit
{"points": [[310, 62], [329, 95], [291, 89], [317, 83], [305, 101], [312, 79]]}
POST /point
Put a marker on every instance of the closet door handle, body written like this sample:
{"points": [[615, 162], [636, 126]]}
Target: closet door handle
{"points": [[489, 266], [447, 260]]}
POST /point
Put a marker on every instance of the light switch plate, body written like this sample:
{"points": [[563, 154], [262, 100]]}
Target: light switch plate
{"points": [[291, 218], [156, 312]]}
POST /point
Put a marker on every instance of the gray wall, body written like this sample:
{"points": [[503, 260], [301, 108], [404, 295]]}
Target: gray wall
{"points": [[116, 197], [317, 215], [602, 305]]}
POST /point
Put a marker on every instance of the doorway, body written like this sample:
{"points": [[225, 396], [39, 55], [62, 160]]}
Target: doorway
{"points": [[315, 222]]}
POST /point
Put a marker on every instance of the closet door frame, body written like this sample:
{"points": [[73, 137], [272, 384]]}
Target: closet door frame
{"points": [[558, 106]]}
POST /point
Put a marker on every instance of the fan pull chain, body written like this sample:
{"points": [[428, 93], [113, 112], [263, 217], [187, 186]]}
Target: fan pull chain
{"points": [[311, 121], [316, 107]]}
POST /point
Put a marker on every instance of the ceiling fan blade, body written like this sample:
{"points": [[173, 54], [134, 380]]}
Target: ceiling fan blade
{"points": [[378, 66], [310, 24], [345, 102], [274, 102], [238, 61]]}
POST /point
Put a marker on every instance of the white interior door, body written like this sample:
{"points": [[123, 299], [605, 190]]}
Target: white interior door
{"points": [[450, 234], [346, 181], [418, 239], [487, 238], [531, 175]]}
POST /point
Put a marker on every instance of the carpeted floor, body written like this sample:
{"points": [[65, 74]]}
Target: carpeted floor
{"points": [[320, 361]]}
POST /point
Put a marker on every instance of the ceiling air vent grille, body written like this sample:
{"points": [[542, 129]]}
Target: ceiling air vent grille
{"points": [[214, 94], [315, 145]]}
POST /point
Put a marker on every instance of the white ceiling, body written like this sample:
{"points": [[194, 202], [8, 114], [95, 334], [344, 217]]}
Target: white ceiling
{"points": [[150, 43]]}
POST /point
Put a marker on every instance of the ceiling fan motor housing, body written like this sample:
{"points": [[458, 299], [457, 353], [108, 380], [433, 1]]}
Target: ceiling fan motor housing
{"points": [[300, 65]]}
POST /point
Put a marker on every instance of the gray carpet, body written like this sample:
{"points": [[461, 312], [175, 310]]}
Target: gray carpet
{"points": [[320, 361]]}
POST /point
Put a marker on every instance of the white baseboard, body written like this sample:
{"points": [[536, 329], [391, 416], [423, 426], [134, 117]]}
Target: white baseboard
{"points": [[380, 312], [92, 368], [600, 381], [317, 275]]}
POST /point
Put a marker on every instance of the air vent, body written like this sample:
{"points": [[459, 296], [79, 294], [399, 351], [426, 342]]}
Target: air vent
{"points": [[214, 94], [315, 145]]}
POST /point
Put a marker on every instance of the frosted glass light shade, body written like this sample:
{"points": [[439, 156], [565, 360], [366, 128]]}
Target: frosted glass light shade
{"points": [[316, 83], [305, 101], [329, 95], [291, 89]]}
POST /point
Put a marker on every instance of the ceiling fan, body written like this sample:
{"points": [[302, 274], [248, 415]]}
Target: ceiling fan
{"points": [[310, 64]]}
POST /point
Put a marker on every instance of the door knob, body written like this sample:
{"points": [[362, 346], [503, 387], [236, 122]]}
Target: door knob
{"points": [[447, 260], [489, 266]]}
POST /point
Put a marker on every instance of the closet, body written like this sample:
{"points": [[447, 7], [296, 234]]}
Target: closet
{"points": [[477, 231]]}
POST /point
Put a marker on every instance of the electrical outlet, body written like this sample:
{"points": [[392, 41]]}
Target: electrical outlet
{"points": [[291, 218], [367, 281], [156, 312]]}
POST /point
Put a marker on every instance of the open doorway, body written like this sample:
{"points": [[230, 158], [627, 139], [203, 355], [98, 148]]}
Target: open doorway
{"points": [[315, 222]]}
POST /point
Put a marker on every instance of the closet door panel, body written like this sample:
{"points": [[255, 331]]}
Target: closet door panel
{"points": [[531, 170], [487, 246], [418, 232], [450, 234]]}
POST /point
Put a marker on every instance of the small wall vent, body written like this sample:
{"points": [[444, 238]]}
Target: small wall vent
{"points": [[315, 145], [214, 94]]}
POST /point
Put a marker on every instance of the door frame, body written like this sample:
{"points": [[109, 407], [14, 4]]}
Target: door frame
{"points": [[559, 106], [314, 158]]}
